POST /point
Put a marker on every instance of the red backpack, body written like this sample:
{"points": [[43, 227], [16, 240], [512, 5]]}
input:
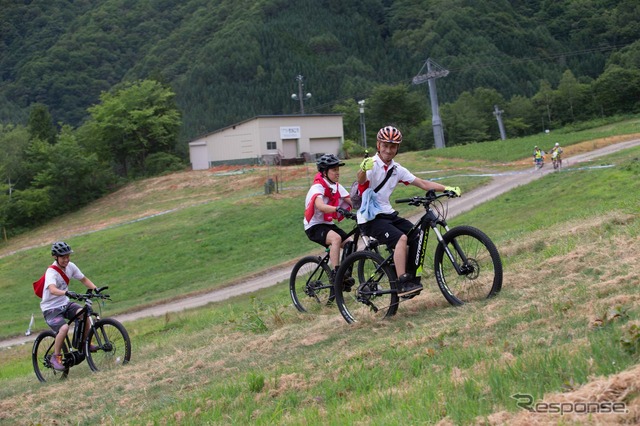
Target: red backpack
{"points": [[38, 286]]}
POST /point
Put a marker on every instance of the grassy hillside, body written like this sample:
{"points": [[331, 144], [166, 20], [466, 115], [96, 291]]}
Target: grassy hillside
{"points": [[568, 241], [184, 233]]}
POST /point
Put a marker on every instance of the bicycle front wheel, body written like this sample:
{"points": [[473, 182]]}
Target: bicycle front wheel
{"points": [[309, 285], [114, 345], [365, 288], [480, 275], [41, 358]]}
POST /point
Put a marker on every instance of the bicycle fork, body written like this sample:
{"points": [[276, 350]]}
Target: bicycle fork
{"points": [[463, 269]]}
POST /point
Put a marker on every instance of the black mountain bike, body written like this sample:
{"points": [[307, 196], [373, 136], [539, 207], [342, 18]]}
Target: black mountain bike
{"points": [[109, 338], [310, 283], [467, 266]]}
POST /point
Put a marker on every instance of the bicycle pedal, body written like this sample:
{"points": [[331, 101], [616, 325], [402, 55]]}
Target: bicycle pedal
{"points": [[408, 296]]}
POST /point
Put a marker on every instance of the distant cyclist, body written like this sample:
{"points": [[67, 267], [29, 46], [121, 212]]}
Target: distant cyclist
{"points": [[324, 203], [538, 157], [556, 155]]}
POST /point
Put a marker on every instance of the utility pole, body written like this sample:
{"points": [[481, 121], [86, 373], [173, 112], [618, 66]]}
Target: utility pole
{"points": [[433, 71], [299, 96], [363, 127], [498, 113]]}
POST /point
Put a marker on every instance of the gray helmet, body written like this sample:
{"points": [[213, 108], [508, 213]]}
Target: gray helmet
{"points": [[60, 249], [328, 161]]}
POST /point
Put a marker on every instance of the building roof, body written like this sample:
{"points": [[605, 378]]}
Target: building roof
{"points": [[232, 126]]}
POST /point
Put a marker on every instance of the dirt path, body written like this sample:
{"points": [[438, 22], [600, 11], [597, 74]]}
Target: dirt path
{"points": [[501, 183]]}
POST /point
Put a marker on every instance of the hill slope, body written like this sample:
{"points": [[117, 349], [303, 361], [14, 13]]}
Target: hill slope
{"points": [[569, 244]]}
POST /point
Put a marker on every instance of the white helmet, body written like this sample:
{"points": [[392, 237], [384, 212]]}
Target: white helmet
{"points": [[557, 144]]}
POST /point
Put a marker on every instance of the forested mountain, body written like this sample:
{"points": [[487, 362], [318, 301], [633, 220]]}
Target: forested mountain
{"points": [[228, 60]]}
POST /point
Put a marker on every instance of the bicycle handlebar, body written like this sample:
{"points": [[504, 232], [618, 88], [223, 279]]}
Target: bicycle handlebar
{"points": [[427, 199], [91, 295], [347, 213]]}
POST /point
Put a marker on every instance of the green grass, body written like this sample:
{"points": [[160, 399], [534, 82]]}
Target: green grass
{"points": [[188, 249], [567, 241], [522, 148]]}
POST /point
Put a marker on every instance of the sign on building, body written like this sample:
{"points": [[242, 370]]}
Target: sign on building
{"points": [[291, 132]]}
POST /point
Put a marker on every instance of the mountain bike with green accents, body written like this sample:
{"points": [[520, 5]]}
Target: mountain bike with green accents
{"points": [[467, 266]]}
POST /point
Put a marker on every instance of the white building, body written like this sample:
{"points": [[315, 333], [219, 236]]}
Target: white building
{"points": [[270, 139]]}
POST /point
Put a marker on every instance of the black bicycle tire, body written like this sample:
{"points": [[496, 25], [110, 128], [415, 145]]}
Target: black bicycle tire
{"points": [[38, 354], [347, 302], [454, 289], [112, 354], [298, 286]]}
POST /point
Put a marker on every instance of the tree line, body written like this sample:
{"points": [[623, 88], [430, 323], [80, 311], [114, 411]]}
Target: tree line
{"points": [[48, 172]]}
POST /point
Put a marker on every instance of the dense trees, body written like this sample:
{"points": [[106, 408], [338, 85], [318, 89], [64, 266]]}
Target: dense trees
{"points": [[132, 132], [239, 58], [133, 122]]}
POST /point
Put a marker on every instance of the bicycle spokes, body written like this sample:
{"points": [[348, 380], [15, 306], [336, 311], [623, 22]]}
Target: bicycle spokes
{"points": [[309, 284], [467, 266], [372, 296]]}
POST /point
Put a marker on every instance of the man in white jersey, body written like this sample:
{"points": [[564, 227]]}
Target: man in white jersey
{"points": [[387, 227], [56, 306]]}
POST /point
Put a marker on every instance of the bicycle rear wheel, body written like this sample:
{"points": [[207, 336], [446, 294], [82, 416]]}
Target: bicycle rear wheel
{"points": [[114, 345], [310, 286], [41, 358], [478, 257], [372, 295]]}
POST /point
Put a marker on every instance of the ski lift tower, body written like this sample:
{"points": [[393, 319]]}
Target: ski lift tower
{"points": [[433, 71]]}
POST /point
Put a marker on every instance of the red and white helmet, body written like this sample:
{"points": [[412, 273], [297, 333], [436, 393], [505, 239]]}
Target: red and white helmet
{"points": [[389, 134]]}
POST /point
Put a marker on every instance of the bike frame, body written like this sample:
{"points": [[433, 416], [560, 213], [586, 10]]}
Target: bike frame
{"points": [[355, 232], [76, 342], [429, 220], [86, 313]]}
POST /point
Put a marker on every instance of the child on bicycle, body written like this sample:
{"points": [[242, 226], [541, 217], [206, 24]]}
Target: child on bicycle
{"points": [[55, 303], [538, 156], [327, 200], [387, 227]]}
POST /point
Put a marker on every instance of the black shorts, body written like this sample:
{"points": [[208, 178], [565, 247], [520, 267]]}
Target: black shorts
{"points": [[387, 228], [318, 233]]}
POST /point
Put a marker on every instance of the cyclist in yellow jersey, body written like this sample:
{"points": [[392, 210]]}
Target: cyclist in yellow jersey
{"points": [[538, 156], [556, 155]]}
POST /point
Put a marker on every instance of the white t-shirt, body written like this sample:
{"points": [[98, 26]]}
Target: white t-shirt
{"points": [[377, 174], [318, 216], [49, 301]]}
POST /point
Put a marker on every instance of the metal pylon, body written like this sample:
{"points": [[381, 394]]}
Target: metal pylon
{"points": [[433, 71]]}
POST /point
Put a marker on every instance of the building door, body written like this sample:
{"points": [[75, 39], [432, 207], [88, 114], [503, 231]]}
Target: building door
{"points": [[321, 146], [198, 156], [290, 148]]}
